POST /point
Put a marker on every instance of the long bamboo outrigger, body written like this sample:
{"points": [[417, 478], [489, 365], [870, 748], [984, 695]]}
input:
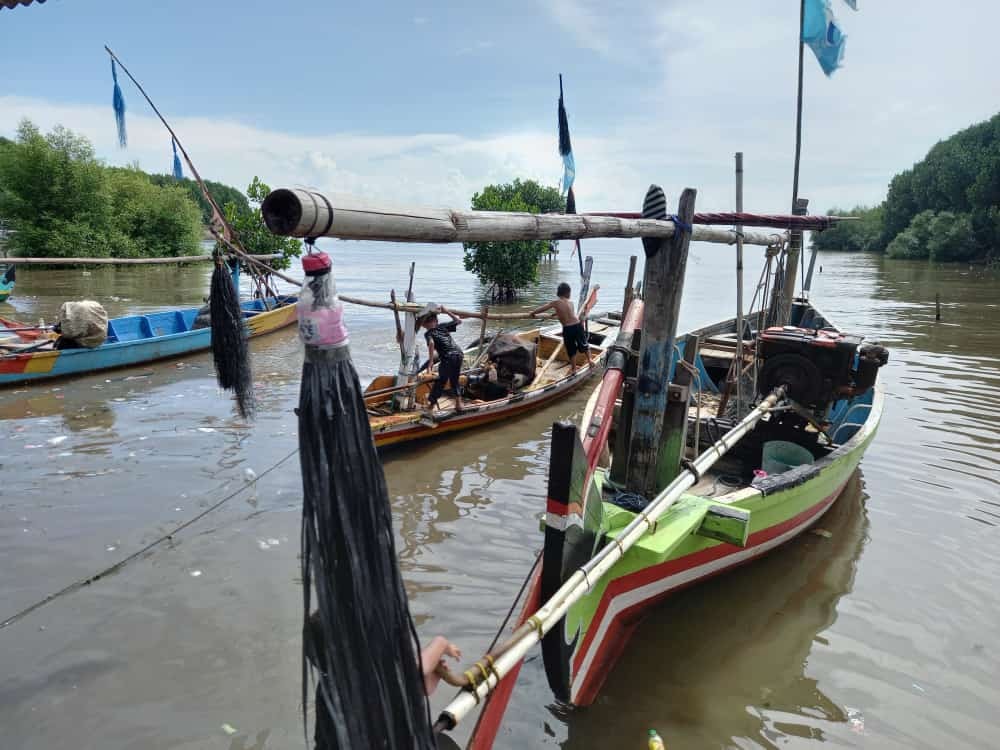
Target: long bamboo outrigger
{"points": [[296, 212]]}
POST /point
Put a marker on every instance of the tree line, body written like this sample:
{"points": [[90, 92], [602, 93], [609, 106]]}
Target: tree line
{"points": [[945, 208], [62, 202]]}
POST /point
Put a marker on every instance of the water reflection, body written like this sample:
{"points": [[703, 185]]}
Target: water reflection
{"points": [[727, 663]]}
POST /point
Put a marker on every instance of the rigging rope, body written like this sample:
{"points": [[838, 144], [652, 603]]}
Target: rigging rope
{"points": [[126, 560]]}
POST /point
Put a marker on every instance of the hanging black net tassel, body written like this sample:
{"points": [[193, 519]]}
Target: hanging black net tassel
{"points": [[230, 348], [360, 640]]}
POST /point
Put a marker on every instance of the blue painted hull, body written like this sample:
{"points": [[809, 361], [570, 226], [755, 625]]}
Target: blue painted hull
{"points": [[139, 349]]}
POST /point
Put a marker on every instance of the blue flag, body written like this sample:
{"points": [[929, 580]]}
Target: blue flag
{"points": [[824, 37]]}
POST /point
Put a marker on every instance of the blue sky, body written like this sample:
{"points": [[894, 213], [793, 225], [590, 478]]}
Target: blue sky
{"points": [[427, 102]]}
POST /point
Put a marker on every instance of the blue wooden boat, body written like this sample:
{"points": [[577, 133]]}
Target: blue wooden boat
{"points": [[134, 340]]}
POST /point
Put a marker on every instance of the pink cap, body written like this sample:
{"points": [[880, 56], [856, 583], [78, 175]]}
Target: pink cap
{"points": [[316, 263]]}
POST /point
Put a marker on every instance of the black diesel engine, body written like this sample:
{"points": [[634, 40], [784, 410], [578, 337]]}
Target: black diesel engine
{"points": [[817, 367]]}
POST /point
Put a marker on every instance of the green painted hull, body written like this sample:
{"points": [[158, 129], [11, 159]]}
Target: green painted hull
{"points": [[673, 556]]}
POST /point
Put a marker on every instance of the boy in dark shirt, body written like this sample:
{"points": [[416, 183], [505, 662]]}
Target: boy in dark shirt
{"points": [[449, 355]]}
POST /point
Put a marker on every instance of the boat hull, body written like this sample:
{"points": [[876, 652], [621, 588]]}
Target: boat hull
{"points": [[478, 416], [35, 366], [600, 624]]}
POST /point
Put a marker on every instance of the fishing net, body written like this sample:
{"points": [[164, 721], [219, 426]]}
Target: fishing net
{"points": [[360, 642], [230, 348]]}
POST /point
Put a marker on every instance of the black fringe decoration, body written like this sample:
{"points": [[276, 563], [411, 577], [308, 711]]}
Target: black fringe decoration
{"points": [[361, 641], [564, 144], [570, 202], [230, 348]]}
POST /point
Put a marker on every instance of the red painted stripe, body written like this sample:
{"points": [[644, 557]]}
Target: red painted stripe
{"points": [[672, 567], [488, 723], [611, 386], [555, 508]]}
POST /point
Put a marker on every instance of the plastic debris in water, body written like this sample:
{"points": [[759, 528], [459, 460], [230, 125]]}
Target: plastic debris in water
{"points": [[249, 475], [229, 729], [195, 573], [856, 720], [57, 440]]}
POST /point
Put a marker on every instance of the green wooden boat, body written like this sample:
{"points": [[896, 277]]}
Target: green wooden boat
{"points": [[730, 515]]}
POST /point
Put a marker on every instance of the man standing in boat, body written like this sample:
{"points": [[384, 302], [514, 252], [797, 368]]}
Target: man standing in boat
{"points": [[449, 355], [574, 337]]}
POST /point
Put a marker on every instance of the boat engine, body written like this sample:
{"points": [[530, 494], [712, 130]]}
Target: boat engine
{"points": [[817, 367]]}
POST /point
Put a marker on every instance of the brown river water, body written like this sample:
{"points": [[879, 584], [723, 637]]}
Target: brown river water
{"points": [[883, 634]]}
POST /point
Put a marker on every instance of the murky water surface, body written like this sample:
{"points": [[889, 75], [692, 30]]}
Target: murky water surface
{"points": [[883, 635]]}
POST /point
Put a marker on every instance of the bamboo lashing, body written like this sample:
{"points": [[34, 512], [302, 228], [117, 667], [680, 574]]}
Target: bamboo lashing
{"points": [[508, 654], [295, 212]]}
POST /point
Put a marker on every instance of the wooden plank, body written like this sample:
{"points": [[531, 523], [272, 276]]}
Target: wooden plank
{"points": [[629, 284], [296, 212], [662, 286], [675, 419], [727, 524]]}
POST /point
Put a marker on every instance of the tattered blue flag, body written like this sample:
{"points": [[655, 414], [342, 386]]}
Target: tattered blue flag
{"points": [[118, 102], [824, 37], [178, 172]]}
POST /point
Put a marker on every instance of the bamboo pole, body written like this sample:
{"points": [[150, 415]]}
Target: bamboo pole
{"points": [[302, 213], [122, 261], [415, 307], [582, 581], [739, 276], [726, 218]]}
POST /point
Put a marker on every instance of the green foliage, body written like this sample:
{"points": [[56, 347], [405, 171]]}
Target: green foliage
{"points": [[508, 266], [961, 176], [152, 221], [254, 235], [861, 234], [63, 202], [940, 236], [222, 194]]}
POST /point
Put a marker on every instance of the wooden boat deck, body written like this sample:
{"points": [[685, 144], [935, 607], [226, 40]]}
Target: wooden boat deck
{"points": [[553, 378]]}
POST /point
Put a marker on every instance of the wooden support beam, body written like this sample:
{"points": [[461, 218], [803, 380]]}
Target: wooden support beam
{"points": [[296, 212], [792, 263], [629, 284], [675, 420], [623, 430], [662, 287]]}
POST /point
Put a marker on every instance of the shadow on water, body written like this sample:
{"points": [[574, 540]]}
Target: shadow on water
{"points": [[726, 663]]}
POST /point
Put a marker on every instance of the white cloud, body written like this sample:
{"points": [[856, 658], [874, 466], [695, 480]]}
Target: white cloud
{"points": [[716, 78]]}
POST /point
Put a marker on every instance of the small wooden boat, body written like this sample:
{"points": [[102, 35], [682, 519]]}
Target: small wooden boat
{"points": [[729, 515], [133, 340], [552, 380]]}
